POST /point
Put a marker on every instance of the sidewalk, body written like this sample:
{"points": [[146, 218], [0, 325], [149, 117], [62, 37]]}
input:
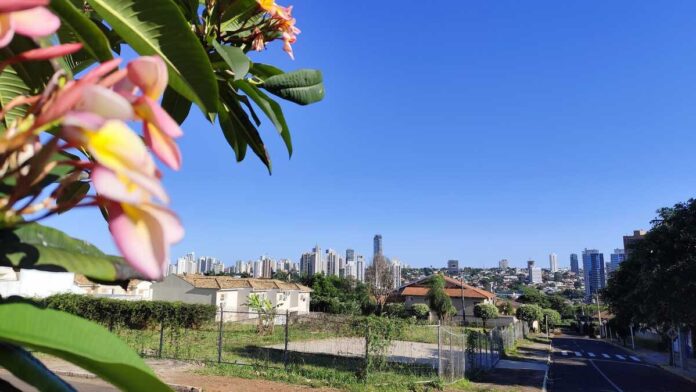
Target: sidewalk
{"points": [[662, 360], [525, 370]]}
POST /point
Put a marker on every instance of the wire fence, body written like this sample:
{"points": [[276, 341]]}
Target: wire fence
{"points": [[337, 342]]}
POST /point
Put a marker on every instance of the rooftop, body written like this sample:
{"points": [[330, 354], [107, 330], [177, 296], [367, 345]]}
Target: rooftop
{"points": [[228, 282]]}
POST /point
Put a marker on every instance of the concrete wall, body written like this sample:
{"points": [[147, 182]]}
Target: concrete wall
{"points": [[38, 284], [173, 288]]}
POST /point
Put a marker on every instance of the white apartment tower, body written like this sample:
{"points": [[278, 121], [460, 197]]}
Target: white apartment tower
{"points": [[553, 263]]}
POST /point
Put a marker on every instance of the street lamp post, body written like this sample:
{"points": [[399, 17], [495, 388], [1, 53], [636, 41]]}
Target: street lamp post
{"points": [[599, 315]]}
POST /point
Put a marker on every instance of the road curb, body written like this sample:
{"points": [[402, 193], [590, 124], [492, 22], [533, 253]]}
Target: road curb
{"points": [[548, 367], [175, 387]]}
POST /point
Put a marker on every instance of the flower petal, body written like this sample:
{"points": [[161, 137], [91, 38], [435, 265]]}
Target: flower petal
{"points": [[149, 73], [118, 148], [130, 187], [106, 103], [19, 5], [173, 230], [148, 110], [140, 239], [35, 22], [6, 30], [163, 146]]}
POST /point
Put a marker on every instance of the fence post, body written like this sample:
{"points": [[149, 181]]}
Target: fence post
{"points": [[222, 317], [161, 345], [367, 348], [464, 353], [451, 336], [287, 322], [439, 350]]}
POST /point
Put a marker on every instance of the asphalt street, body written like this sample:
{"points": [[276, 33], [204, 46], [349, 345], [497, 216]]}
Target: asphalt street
{"points": [[582, 364]]}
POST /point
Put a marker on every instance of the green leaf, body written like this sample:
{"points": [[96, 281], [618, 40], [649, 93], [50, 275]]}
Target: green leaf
{"points": [[234, 57], [93, 40], [265, 71], [176, 105], [238, 128], [34, 246], [237, 143], [157, 27], [302, 87], [22, 364], [11, 85], [270, 107], [79, 341]]}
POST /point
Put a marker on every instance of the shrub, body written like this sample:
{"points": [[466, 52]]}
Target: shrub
{"points": [[420, 311], [529, 313], [395, 310], [553, 317], [485, 312], [131, 314]]}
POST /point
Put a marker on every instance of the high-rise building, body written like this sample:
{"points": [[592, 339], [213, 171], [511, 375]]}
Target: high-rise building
{"points": [[616, 258], [629, 241], [378, 250], [553, 263], [332, 263], [395, 267], [593, 270], [533, 273], [503, 264], [453, 267], [258, 268], [574, 267], [360, 268], [312, 263], [349, 272], [266, 270], [350, 255]]}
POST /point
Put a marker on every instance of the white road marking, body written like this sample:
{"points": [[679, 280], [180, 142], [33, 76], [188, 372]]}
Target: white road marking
{"points": [[591, 354], [621, 357], [635, 358], [606, 355], [578, 354], [564, 352], [605, 377]]}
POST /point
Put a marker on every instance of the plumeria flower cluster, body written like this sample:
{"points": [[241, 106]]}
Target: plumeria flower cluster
{"points": [[90, 115], [280, 22], [29, 18]]}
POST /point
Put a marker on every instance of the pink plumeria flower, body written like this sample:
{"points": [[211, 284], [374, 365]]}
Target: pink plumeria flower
{"points": [[143, 234], [26, 17], [149, 74]]}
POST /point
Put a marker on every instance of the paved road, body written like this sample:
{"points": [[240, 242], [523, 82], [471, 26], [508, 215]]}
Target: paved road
{"points": [[580, 364]]}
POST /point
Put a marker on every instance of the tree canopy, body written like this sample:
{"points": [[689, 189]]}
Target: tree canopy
{"points": [[438, 299]]}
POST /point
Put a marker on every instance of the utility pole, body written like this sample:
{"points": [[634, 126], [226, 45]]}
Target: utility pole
{"points": [[599, 315]]}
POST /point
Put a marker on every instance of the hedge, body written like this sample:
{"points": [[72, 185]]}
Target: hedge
{"points": [[131, 314]]}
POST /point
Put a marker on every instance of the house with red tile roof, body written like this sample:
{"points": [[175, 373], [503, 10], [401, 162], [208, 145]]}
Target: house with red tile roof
{"points": [[461, 294]]}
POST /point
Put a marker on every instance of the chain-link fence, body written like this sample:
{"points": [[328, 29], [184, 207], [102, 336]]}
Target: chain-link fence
{"points": [[335, 342]]}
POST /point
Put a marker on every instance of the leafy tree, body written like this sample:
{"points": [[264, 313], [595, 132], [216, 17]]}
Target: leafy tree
{"points": [[552, 317], [529, 313], [531, 295], [505, 308], [438, 299], [267, 313], [485, 312]]}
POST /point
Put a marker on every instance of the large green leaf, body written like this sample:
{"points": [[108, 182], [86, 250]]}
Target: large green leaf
{"points": [[22, 364], [270, 107], [11, 85], [79, 341], [157, 27], [302, 87], [235, 58], [176, 105], [93, 40], [264, 71], [239, 130], [34, 246]]}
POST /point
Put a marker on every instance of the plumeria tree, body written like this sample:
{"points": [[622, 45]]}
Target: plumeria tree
{"points": [[68, 105]]}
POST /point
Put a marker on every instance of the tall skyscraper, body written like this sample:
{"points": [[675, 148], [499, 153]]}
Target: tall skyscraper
{"points": [[378, 250], [574, 266], [266, 270], [593, 270], [258, 269], [360, 268], [319, 266], [395, 267], [629, 241], [503, 264], [553, 263], [332, 262], [533, 273], [453, 267], [616, 258], [350, 255]]}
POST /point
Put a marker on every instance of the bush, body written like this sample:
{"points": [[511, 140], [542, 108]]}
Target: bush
{"points": [[131, 314], [553, 318], [395, 310], [529, 313], [485, 312], [420, 311]]}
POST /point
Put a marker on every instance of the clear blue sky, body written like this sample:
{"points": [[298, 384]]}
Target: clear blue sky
{"points": [[474, 130]]}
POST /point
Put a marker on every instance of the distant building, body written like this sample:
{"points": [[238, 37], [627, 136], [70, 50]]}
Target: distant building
{"points": [[266, 270], [360, 268], [616, 258], [395, 267], [453, 267], [312, 263], [574, 267], [553, 263], [258, 268], [332, 262], [350, 255], [533, 273], [378, 250], [629, 241], [594, 273], [503, 264]]}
